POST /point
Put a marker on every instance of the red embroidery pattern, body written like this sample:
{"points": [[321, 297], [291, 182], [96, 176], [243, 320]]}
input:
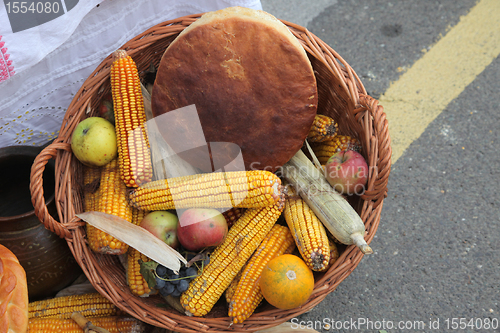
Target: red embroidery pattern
{"points": [[6, 67]]}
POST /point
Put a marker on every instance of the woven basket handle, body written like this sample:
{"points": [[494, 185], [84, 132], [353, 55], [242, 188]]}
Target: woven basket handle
{"points": [[36, 188], [381, 126]]}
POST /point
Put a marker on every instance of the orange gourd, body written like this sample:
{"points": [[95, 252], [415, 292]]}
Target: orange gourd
{"points": [[286, 282]]}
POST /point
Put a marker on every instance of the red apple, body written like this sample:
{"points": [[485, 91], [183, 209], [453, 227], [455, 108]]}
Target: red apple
{"points": [[106, 109], [163, 225], [347, 172], [199, 228]]}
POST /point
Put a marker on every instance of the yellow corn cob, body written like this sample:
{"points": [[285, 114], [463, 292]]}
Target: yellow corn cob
{"points": [[89, 305], [112, 324], [232, 215], [138, 215], [242, 189], [334, 251], [324, 150], [247, 295], [130, 121], [136, 282], [229, 293], [308, 231], [112, 197], [229, 257], [323, 128], [91, 178]]}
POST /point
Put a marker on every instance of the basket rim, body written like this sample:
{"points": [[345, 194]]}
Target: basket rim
{"points": [[365, 109]]}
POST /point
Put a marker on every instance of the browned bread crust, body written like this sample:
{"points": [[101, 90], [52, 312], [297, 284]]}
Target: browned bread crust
{"points": [[13, 294], [251, 82]]}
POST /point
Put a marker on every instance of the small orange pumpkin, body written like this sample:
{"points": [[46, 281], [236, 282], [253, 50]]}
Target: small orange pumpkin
{"points": [[286, 282]]}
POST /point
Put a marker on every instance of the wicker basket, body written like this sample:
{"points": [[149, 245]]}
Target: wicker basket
{"points": [[341, 95]]}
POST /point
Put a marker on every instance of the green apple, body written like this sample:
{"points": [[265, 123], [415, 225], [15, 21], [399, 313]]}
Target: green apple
{"points": [[94, 142], [163, 225]]}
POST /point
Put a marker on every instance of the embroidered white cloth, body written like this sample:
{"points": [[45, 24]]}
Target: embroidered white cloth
{"points": [[49, 48]]}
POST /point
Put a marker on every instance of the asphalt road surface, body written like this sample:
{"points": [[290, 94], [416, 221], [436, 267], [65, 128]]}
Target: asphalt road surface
{"points": [[437, 259]]}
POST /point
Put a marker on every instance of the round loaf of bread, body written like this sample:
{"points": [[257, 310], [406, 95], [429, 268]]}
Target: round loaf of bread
{"points": [[13, 293], [251, 82]]}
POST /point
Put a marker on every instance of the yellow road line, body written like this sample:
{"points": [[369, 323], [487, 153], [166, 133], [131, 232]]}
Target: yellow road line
{"points": [[437, 78]]}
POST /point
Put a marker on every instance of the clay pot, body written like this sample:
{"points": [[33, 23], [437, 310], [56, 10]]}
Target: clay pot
{"points": [[46, 258]]}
